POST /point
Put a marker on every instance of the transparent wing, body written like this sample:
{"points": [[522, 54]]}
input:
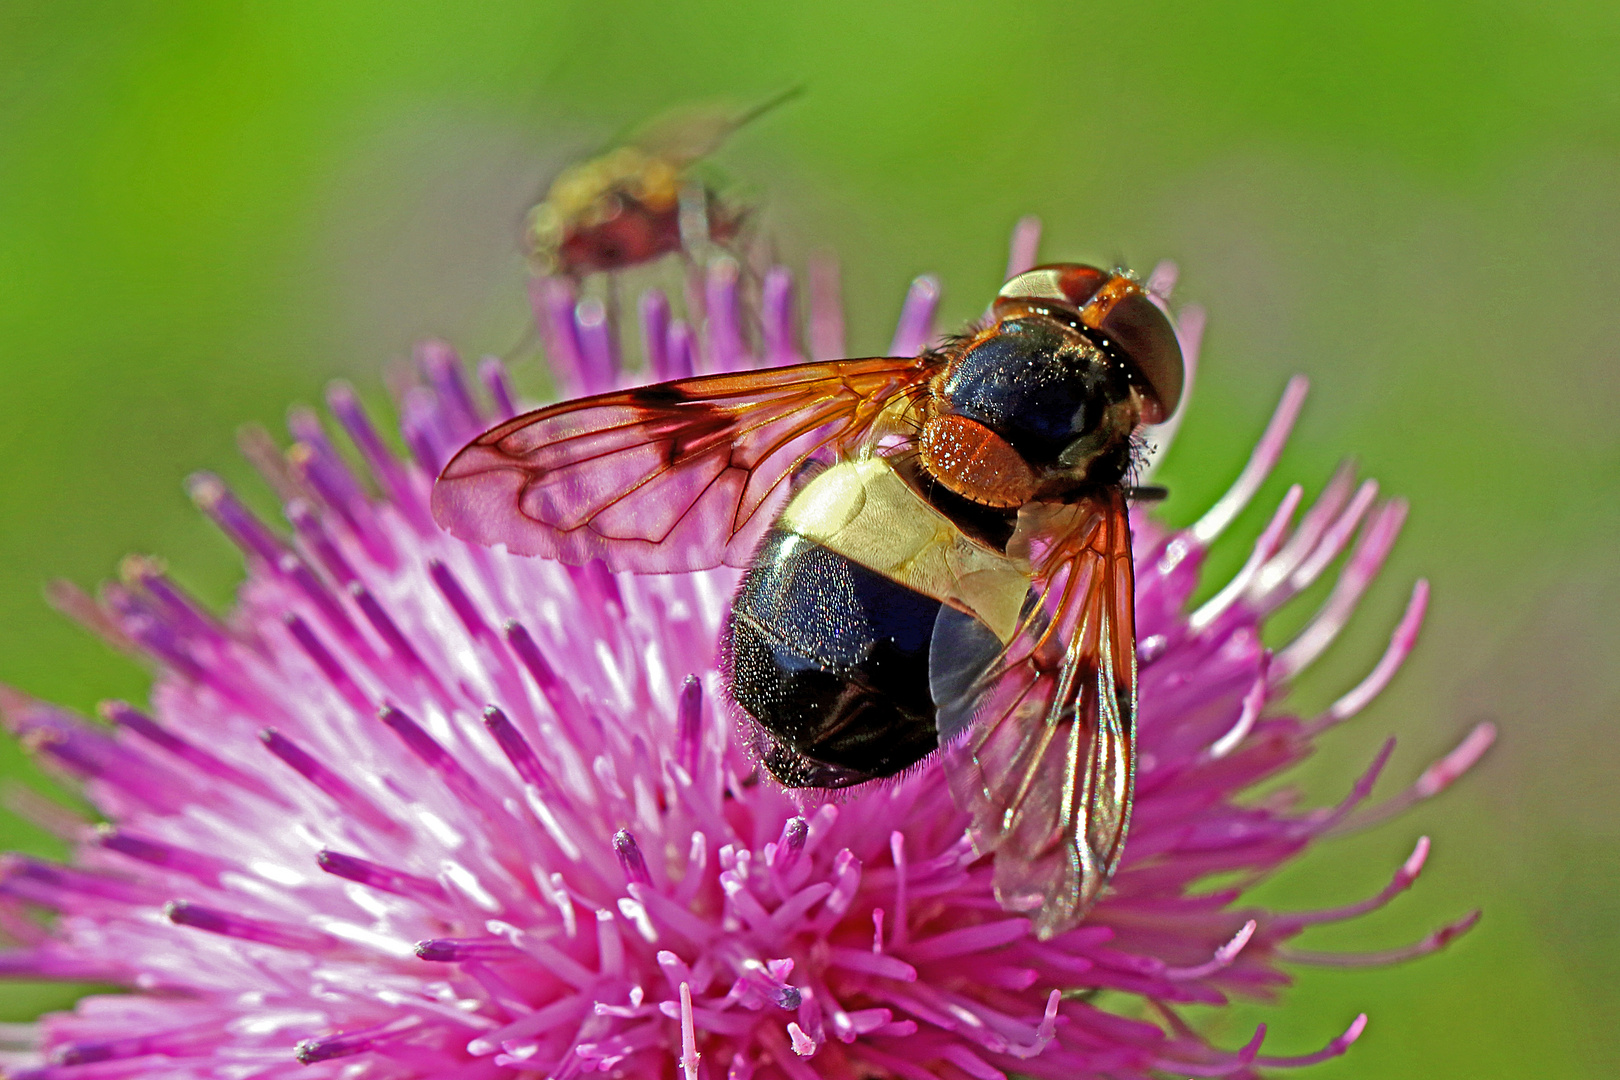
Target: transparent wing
{"points": [[682, 136], [682, 475], [1040, 749]]}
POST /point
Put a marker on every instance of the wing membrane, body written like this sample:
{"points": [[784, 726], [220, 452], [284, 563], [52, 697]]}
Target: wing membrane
{"points": [[1046, 766], [682, 475]]}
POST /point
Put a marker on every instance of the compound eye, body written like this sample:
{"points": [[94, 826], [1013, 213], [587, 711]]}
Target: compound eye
{"points": [[1143, 333]]}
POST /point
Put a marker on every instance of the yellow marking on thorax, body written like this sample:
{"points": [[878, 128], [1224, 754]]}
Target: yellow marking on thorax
{"points": [[863, 510]]}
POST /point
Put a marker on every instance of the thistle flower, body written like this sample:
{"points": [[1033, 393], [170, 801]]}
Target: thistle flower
{"points": [[420, 809]]}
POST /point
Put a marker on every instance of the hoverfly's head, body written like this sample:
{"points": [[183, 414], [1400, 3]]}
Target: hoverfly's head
{"points": [[1114, 312], [1044, 399]]}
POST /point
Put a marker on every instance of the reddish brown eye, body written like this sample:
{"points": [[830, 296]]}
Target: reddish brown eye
{"points": [[1116, 306], [1145, 335], [976, 463]]}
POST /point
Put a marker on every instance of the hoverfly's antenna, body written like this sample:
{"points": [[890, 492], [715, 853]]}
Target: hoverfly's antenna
{"points": [[768, 105]]}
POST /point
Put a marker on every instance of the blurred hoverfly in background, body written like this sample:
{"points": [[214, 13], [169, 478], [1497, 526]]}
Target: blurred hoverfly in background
{"points": [[640, 201]]}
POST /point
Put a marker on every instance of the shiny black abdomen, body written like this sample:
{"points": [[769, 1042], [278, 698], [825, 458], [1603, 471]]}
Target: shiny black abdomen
{"points": [[831, 660]]}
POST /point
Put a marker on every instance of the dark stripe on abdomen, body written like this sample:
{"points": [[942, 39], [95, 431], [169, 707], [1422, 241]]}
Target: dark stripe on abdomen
{"points": [[831, 659]]}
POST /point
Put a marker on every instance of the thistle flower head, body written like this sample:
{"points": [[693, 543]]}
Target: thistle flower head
{"points": [[415, 808]]}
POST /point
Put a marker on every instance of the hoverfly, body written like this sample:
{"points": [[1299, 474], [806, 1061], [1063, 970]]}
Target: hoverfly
{"points": [[638, 201], [937, 553]]}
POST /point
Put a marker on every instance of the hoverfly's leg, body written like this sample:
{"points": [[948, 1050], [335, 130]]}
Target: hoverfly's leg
{"points": [[1146, 493], [694, 279], [694, 220]]}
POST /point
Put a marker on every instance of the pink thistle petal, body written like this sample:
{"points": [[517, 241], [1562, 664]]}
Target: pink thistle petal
{"points": [[492, 377], [1298, 574], [233, 519], [1451, 768], [553, 302], [1433, 942], [1404, 878], [1401, 643], [245, 928], [776, 317], [79, 606], [1161, 280], [1253, 702], [1223, 956], [826, 310], [727, 348], [1265, 547], [1334, 1049], [596, 346], [689, 1054], [1435, 779], [916, 328], [1376, 542], [681, 349], [1329, 504], [653, 312], [1263, 459], [1025, 246]]}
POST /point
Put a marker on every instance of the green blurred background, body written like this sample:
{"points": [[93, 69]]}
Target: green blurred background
{"points": [[207, 210]]}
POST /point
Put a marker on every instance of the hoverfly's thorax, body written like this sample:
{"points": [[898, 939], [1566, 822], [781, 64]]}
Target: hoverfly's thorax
{"points": [[1031, 407]]}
